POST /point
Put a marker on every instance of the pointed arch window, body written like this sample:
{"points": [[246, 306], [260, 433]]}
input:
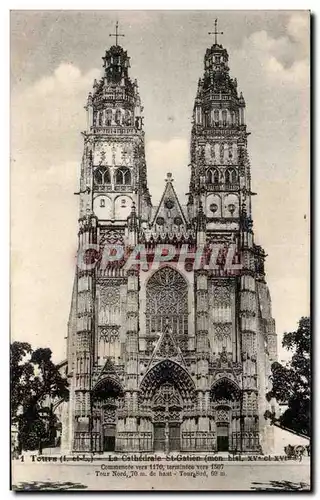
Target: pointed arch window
{"points": [[102, 175], [100, 118], [167, 302], [108, 117], [212, 176], [207, 119], [127, 118], [118, 117], [231, 176], [123, 176], [224, 118], [216, 116], [222, 152]]}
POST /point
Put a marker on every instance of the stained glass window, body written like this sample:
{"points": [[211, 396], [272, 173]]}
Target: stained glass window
{"points": [[167, 302]]}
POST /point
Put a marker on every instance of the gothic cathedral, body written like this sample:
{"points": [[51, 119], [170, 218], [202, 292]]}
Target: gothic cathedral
{"points": [[168, 357]]}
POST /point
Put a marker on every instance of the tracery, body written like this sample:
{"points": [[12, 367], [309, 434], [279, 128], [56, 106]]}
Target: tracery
{"points": [[167, 302]]}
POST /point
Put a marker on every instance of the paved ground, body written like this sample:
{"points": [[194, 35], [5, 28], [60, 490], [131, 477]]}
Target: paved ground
{"points": [[106, 475]]}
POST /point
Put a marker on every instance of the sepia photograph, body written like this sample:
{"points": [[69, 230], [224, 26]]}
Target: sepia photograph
{"points": [[160, 250]]}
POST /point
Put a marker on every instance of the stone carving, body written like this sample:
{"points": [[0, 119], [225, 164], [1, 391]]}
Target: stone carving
{"points": [[109, 333], [109, 415], [222, 331], [221, 292], [219, 238], [167, 349], [167, 404], [109, 295], [222, 415], [109, 312], [112, 237], [167, 395], [167, 372]]}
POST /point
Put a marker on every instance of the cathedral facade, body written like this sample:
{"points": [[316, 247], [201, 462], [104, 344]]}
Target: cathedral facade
{"points": [[172, 352]]}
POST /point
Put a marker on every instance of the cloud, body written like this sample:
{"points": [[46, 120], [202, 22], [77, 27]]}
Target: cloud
{"points": [[43, 250], [277, 61], [274, 76], [299, 28], [47, 116]]}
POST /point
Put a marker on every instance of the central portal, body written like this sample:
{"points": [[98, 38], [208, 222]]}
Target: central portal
{"points": [[166, 437], [167, 392]]}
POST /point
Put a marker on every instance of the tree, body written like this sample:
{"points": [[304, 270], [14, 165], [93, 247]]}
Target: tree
{"points": [[291, 384], [21, 374], [35, 383]]}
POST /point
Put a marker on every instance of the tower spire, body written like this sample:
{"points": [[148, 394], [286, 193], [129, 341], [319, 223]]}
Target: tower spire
{"points": [[215, 32], [116, 34]]}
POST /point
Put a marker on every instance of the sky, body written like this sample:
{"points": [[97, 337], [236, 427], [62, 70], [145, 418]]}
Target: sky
{"points": [[55, 56]]}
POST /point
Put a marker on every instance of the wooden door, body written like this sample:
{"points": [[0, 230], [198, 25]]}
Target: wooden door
{"points": [[109, 437], [159, 438], [174, 437], [223, 437]]}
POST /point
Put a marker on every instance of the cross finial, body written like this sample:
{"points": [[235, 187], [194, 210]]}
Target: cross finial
{"points": [[215, 32], [116, 34], [169, 177]]}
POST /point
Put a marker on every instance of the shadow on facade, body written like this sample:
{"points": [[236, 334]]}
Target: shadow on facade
{"points": [[280, 486], [48, 485]]}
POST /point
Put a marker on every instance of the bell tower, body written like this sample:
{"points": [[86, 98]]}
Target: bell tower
{"points": [[114, 201], [236, 321], [218, 143], [113, 174]]}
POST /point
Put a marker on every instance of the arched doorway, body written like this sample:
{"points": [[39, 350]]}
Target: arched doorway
{"points": [[166, 391], [225, 405], [107, 400]]}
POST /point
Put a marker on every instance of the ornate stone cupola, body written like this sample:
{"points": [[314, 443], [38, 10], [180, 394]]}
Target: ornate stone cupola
{"points": [[114, 172], [116, 90], [116, 63], [217, 138]]}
